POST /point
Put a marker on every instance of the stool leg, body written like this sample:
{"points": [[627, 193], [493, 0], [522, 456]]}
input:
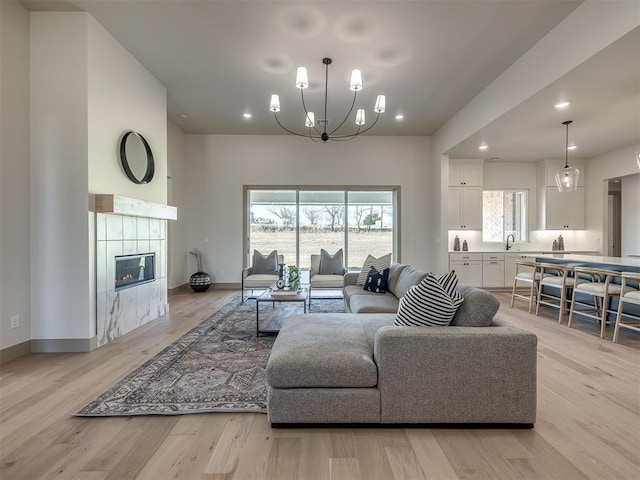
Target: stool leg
{"points": [[533, 284], [563, 300], [605, 309], [572, 308], [616, 330], [513, 292]]}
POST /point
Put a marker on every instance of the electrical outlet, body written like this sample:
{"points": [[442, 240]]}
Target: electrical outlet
{"points": [[15, 321]]}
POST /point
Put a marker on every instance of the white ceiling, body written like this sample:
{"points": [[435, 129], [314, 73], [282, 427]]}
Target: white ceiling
{"points": [[220, 59]]}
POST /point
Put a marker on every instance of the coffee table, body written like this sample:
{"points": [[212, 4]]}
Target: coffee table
{"points": [[268, 296]]}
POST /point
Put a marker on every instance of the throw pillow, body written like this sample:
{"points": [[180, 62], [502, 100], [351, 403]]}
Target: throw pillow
{"points": [[371, 261], [433, 302], [377, 281], [331, 264], [265, 264]]}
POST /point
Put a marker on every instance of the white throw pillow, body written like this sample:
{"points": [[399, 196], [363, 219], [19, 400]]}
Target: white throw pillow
{"points": [[433, 302], [379, 263]]}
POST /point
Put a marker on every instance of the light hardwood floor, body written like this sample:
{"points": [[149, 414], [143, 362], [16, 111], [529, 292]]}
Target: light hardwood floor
{"points": [[588, 420]]}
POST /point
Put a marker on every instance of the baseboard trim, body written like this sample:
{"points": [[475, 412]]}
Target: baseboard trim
{"points": [[179, 289], [64, 345], [227, 286], [15, 351]]}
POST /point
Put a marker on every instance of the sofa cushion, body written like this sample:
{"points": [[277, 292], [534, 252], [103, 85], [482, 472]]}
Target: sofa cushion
{"points": [[374, 303], [351, 290], [260, 281], [394, 273], [326, 281], [265, 264], [477, 310], [408, 278], [371, 261], [377, 281], [431, 303], [322, 350], [331, 264]]}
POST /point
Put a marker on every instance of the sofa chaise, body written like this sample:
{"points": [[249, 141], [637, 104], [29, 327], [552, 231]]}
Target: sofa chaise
{"points": [[360, 368]]}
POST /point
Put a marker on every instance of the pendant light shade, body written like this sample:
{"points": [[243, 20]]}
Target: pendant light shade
{"points": [[567, 177]]}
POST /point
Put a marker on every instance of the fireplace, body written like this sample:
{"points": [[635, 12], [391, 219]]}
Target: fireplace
{"points": [[132, 270]]}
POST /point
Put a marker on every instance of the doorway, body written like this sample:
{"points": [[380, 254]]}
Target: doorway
{"points": [[614, 218]]}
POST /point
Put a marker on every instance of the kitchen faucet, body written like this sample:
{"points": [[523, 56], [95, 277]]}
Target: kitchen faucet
{"points": [[512, 238]]}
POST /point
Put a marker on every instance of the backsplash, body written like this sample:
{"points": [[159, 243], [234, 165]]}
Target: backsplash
{"points": [[540, 240]]}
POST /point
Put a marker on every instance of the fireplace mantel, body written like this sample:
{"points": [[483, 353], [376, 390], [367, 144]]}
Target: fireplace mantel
{"points": [[116, 204]]}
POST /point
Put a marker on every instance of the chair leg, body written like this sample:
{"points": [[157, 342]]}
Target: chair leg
{"points": [[605, 309], [531, 294], [513, 292], [616, 330], [572, 308], [563, 300]]}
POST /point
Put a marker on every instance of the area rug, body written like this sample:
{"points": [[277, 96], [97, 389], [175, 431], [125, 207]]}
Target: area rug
{"points": [[218, 366]]}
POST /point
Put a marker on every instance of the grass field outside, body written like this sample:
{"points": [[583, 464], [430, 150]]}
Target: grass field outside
{"points": [[361, 244]]}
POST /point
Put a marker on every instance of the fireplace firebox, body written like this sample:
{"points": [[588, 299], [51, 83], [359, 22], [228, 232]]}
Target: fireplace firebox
{"points": [[132, 270]]}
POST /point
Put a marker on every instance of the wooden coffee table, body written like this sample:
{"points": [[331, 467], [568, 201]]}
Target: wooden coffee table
{"points": [[274, 319]]}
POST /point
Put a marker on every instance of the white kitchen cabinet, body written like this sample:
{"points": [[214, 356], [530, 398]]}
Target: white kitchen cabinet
{"points": [[465, 208], [564, 210], [559, 210], [468, 267], [465, 173], [493, 270]]}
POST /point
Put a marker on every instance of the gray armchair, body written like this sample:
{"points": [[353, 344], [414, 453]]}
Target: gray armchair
{"points": [[326, 282], [257, 281]]}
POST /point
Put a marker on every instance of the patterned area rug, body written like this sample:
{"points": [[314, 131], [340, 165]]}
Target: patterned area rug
{"points": [[219, 366]]}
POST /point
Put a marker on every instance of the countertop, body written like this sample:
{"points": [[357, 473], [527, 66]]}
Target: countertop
{"points": [[596, 259], [528, 251]]}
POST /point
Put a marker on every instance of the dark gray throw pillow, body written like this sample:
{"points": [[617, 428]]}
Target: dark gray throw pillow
{"points": [[265, 264], [477, 310], [377, 281], [331, 264]]}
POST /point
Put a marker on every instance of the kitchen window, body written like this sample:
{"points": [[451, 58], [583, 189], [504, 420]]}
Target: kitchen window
{"points": [[504, 212]]}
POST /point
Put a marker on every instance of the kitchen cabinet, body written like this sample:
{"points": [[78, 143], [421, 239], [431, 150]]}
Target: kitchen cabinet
{"points": [[493, 270], [465, 208], [564, 210], [465, 173], [468, 267], [559, 210]]}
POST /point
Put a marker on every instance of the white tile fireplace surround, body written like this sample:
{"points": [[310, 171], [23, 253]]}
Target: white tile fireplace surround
{"points": [[121, 311]]}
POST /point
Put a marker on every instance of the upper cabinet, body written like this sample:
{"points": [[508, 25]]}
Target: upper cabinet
{"points": [[465, 173], [465, 195], [559, 210]]}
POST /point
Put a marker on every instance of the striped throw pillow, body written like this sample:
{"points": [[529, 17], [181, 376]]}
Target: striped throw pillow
{"points": [[379, 263], [431, 303]]}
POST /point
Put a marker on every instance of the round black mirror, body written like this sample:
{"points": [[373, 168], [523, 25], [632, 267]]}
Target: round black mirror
{"points": [[136, 158]]}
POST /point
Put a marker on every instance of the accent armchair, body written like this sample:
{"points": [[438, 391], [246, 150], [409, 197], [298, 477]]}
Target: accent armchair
{"points": [[319, 281], [257, 281]]}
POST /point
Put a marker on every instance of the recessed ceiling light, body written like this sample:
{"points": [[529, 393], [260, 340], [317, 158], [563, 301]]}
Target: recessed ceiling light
{"points": [[572, 147], [561, 105], [399, 116], [246, 115], [483, 147]]}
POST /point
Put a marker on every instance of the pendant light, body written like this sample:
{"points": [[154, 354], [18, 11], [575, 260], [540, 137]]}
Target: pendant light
{"points": [[567, 177]]}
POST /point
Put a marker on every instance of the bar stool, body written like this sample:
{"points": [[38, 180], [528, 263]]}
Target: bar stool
{"points": [[629, 295], [598, 285], [557, 277], [526, 272]]}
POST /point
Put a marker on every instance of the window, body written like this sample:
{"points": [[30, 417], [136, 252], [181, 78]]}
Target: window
{"points": [[299, 222], [504, 212]]}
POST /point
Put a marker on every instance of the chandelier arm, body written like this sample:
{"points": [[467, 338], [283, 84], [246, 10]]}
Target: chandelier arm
{"points": [[566, 148], [326, 91], [359, 132], [286, 129], [355, 93], [306, 114]]}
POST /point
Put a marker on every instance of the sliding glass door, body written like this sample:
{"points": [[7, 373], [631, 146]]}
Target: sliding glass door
{"points": [[298, 222]]}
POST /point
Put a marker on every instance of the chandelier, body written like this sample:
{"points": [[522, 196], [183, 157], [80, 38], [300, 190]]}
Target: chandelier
{"points": [[317, 128], [567, 177]]}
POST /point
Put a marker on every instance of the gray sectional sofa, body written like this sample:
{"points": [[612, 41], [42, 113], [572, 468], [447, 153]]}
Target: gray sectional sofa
{"points": [[359, 368]]}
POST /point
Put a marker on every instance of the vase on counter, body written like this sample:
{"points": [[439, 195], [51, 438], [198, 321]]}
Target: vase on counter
{"points": [[554, 245], [465, 246], [560, 243], [456, 244]]}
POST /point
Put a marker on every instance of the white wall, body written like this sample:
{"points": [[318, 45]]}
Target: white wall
{"points": [[86, 90], [219, 166], [60, 302], [177, 195], [122, 96], [14, 176], [631, 215], [600, 169]]}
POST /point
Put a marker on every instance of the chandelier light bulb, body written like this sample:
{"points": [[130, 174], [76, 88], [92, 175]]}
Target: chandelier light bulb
{"points": [[360, 116], [274, 105], [310, 120], [380, 104], [356, 80], [302, 81]]}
